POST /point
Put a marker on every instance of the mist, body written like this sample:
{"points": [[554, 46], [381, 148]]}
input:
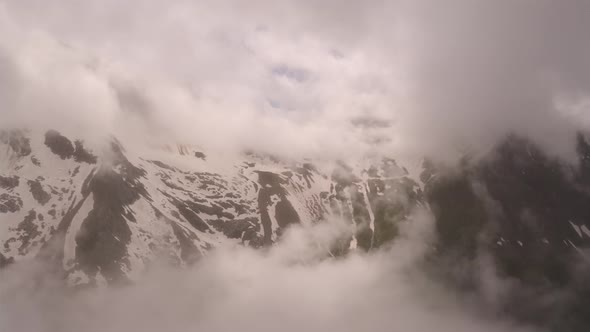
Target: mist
{"points": [[293, 286]]}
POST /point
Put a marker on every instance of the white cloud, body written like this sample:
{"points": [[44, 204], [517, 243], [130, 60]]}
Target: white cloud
{"points": [[290, 287], [444, 75]]}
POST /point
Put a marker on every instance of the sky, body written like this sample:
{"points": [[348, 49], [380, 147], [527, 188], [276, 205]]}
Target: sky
{"points": [[301, 78]]}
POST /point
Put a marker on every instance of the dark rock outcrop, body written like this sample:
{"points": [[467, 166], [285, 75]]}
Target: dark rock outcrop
{"points": [[526, 210], [82, 155], [59, 144], [103, 244], [9, 182], [10, 203], [39, 194]]}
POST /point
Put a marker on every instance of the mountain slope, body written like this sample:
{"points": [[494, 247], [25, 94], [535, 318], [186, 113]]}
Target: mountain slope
{"points": [[514, 217], [106, 217], [528, 216]]}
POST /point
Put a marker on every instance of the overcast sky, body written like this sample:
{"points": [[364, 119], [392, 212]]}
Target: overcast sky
{"points": [[301, 77]]}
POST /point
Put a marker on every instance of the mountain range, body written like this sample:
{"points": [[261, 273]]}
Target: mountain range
{"points": [[103, 214]]}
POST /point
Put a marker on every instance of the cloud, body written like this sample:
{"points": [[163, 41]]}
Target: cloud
{"points": [[293, 286], [290, 77], [206, 72], [480, 69]]}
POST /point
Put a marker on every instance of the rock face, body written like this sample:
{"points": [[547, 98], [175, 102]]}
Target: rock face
{"points": [[529, 214], [106, 218]]}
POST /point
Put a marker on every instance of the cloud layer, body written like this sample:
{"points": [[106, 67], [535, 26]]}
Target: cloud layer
{"points": [[293, 286], [294, 77]]}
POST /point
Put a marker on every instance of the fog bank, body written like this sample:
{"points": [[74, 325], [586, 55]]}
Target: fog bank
{"points": [[293, 286]]}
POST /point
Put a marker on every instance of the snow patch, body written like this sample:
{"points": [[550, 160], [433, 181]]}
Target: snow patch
{"points": [[274, 199], [73, 230], [576, 228]]}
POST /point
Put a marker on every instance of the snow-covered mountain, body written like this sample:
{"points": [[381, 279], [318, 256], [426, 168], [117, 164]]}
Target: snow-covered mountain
{"points": [[105, 215]]}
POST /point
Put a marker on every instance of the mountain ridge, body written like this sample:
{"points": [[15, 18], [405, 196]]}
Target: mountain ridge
{"points": [[111, 216], [103, 218]]}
